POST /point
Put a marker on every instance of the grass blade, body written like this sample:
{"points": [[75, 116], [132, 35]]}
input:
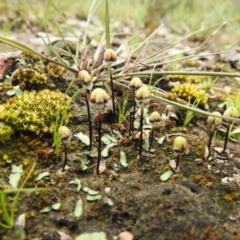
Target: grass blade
{"points": [[107, 25], [20, 46]]}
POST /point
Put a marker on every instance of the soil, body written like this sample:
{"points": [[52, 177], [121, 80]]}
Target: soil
{"points": [[199, 202]]}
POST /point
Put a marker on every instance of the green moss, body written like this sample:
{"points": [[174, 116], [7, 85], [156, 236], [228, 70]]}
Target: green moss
{"points": [[231, 197], [35, 111], [35, 72], [190, 62], [198, 145], [5, 132], [54, 70], [5, 86], [29, 75]]}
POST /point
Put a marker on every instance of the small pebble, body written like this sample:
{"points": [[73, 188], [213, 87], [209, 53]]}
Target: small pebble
{"points": [[125, 236], [64, 236]]}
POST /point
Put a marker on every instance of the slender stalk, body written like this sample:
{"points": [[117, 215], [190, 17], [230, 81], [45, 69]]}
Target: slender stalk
{"points": [[151, 138], [214, 138], [99, 141], [134, 110], [59, 122], [89, 120], [112, 89], [132, 115], [141, 134], [65, 157], [130, 121], [226, 138], [177, 161], [209, 142]]}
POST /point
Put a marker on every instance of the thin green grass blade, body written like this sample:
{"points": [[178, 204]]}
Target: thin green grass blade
{"points": [[195, 73], [237, 101], [59, 122], [181, 106], [147, 40], [25, 48], [20, 46], [91, 13], [150, 87], [108, 45], [53, 51], [16, 197], [4, 226], [155, 57], [48, 44], [4, 209], [14, 190], [70, 28], [65, 43]]}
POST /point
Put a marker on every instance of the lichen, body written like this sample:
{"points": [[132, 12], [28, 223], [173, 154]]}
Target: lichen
{"points": [[35, 111], [189, 92]]}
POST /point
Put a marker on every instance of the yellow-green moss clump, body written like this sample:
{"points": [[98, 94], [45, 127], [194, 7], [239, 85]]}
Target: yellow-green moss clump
{"points": [[5, 132], [190, 62], [29, 76], [54, 70], [189, 92], [35, 111], [186, 78]]}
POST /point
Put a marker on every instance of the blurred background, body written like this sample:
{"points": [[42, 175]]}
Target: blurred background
{"points": [[180, 17]]}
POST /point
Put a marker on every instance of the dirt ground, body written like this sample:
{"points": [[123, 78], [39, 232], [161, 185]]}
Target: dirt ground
{"points": [[199, 202]]}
